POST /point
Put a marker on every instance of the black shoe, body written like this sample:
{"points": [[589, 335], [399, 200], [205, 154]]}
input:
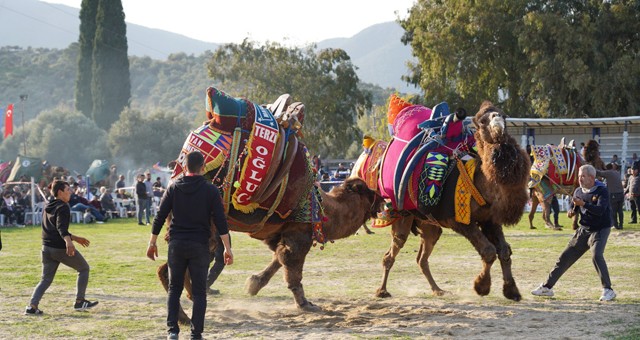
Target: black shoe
{"points": [[172, 336], [196, 336], [84, 305], [140, 223], [32, 311], [633, 222], [213, 291]]}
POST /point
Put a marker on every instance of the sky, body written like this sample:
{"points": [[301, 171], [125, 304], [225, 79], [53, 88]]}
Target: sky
{"points": [[295, 22]]}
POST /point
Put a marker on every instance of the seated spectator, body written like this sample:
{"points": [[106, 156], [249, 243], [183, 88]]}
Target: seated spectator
{"points": [[10, 209], [79, 203], [106, 200], [120, 183], [325, 177], [123, 194], [81, 182], [341, 172]]}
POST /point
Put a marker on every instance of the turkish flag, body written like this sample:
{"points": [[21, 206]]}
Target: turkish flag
{"points": [[8, 121]]}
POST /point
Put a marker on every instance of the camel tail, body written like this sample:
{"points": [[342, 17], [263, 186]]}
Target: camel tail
{"points": [[163, 275]]}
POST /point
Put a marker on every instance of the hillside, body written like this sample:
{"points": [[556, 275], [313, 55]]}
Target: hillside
{"points": [[376, 51]]}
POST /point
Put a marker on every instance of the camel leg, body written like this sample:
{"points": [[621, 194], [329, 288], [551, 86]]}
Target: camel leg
{"points": [[292, 254], [494, 233], [256, 282], [487, 251], [399, 233], [534, 207], [429, 236], [546, 213], [366, 229], [163, 275]]}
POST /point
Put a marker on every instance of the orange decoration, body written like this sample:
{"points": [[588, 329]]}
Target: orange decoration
{"points": [[396, 104]]}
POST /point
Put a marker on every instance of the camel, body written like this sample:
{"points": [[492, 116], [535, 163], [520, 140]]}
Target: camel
{"points": [[501, 174], [348, 206], [551, 184], [284, 218]]}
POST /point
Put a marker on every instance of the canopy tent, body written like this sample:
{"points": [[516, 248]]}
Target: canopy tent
{"points": [[98, 171], [26, 166]]}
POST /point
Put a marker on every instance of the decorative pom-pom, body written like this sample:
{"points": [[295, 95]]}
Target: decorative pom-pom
{"points": [[236, 184]]}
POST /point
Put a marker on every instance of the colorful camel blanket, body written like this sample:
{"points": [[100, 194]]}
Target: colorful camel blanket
{"points": [[414, 166], [465, 189], [557, 163], [367, 167], [261, 166]]}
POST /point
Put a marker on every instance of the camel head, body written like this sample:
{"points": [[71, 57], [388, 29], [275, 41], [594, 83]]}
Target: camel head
{"points": [[592, 154], [491, 124], [355, 193]]}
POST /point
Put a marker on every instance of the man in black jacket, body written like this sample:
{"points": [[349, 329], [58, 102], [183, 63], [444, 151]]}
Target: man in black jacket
{"points": [[193, 202], [143, 199], [57, 247]]}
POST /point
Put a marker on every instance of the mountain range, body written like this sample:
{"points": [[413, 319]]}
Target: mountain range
{"points": [[377, 50]]}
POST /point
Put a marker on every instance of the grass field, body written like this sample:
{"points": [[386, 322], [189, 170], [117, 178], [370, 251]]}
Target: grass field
{"points": [[342, 279]]}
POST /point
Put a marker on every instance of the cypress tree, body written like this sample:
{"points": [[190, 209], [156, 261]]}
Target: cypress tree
{"points": [[84, 101], [111, 85]]}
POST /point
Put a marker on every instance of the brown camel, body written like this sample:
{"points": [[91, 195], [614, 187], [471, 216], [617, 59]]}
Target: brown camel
{"points": [[282, 219], [564, 185], [347, 206], [501, 174]]}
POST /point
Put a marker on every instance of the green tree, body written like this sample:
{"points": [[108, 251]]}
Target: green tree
{"points": [[62, 137], [583, 57], [467, 51], [110, 85], [142, 141], [84, 100], [325, 82], [534, 58]]}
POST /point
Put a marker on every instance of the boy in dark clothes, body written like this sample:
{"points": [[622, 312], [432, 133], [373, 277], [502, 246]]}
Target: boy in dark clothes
{"points": [[57, 247]]}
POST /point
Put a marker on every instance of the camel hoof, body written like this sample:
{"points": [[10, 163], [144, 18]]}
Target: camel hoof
{"points": [[511, 292], [252, 285], [370, 232], [310, 307], [482, 285], [382, 293], [532, 227], [439, 292]]}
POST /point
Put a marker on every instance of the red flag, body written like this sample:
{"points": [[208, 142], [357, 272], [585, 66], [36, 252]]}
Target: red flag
{"points": [[8, 121]]}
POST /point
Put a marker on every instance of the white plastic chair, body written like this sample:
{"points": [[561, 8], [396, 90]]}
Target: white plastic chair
{"points": [[35, 215], [76, 217]]}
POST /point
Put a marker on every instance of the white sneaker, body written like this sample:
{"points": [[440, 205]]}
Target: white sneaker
{"points": [[608, 295], [542, 291]]}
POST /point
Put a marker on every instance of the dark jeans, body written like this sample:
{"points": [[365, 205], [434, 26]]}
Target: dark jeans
{"points": [[194, 256], [51, 259], [83, 207], [555, 207], [616, 200], [635, 202], [143, 204], [582, 241]]}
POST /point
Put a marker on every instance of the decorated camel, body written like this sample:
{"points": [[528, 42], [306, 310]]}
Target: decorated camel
{"points": [[254, 155], [488, 166], [555, 171]]}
